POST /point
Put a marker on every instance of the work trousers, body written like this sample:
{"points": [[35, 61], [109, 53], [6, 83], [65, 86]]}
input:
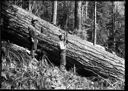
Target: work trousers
{"points": [[63, 58], [34, 47]]}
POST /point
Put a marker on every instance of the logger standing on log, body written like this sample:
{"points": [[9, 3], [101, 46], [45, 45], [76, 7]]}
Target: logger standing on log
{"points": [[33, 39], [62, 44]]}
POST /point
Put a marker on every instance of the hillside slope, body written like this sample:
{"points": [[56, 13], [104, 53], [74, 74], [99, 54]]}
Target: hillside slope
{"points": [[20, 71]]}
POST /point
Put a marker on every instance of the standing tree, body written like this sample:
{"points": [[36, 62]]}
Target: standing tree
{"points": [[95, 29], [78, 16], [55, 12], [31, 5], [113, 20], [86, 14], [119, 29]]}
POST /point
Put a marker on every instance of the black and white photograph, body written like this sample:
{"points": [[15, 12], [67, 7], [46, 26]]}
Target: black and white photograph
{"points": [[62, 45]]}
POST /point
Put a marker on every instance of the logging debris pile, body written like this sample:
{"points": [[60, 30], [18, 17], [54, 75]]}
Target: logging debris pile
{"points": [[20, 71]]}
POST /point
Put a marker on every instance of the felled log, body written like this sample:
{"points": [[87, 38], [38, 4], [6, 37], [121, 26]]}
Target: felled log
{"points": [[99, 61]]}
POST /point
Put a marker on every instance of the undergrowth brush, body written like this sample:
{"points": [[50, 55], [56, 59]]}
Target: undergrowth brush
{"points": [[20, 71]]}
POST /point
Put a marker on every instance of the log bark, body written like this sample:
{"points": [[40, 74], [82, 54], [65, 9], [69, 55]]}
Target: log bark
{"points": [[17, 21]]}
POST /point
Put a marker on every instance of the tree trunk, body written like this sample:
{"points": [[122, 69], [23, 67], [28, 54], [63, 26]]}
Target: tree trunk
{"points": [[55, 13], [79, 52], [78, 16], [95, 27], [86, 16], [113, 20], [30, 6]]}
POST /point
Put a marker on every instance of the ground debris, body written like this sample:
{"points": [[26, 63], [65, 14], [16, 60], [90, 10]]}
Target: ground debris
{"points": [[35, 74]]}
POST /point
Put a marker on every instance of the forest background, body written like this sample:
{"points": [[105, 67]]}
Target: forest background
{"points": [[83, 18]]}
